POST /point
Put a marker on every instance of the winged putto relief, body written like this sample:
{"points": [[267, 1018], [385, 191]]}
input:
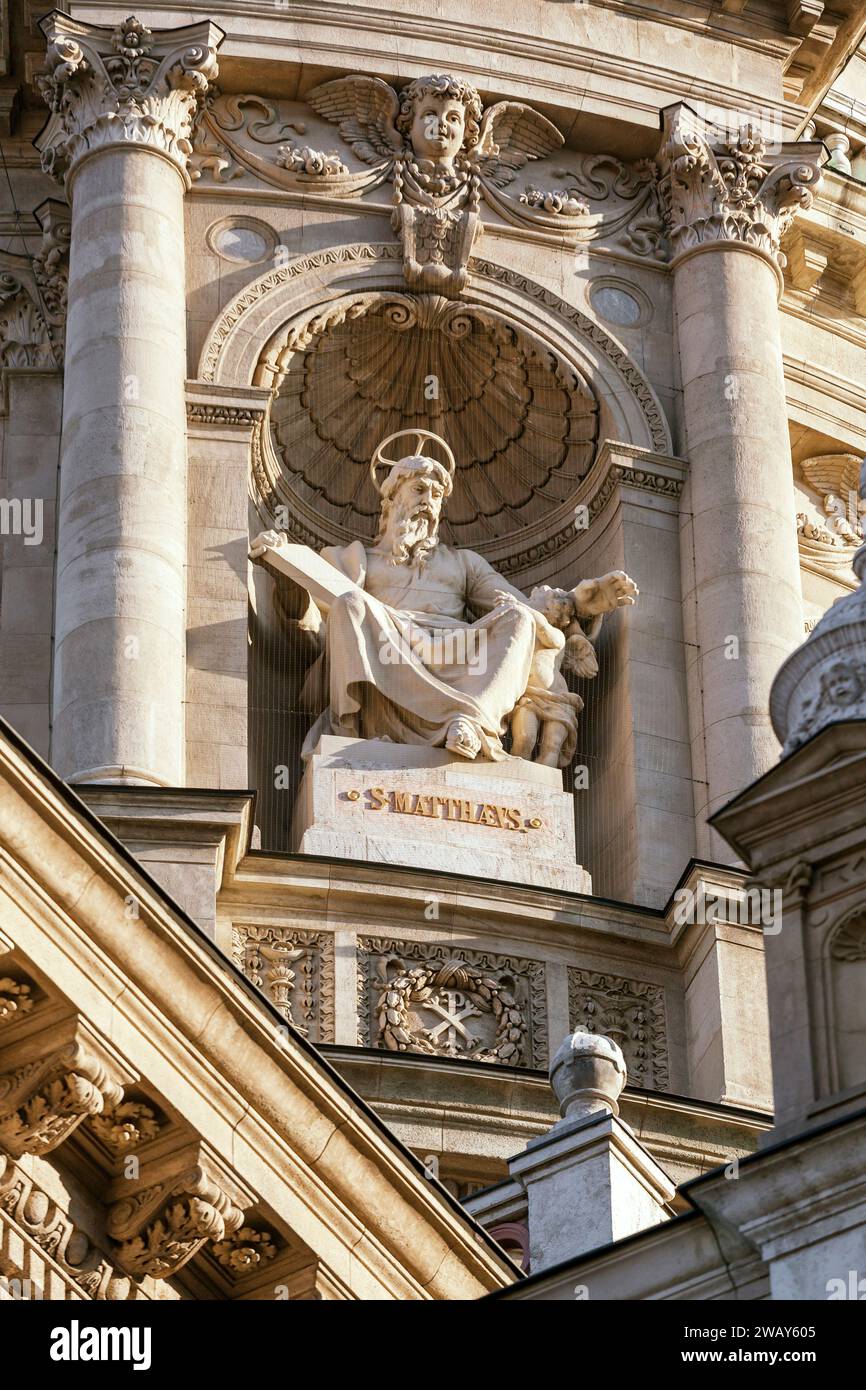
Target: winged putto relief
{"points": [[445, 157]]}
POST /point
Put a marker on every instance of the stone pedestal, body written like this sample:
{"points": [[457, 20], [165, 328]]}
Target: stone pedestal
{"points": [[588, 1182], [424, 807]]}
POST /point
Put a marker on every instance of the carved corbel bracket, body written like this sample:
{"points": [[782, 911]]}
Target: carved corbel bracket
{"points": [[177, 1205], [50, 1082]]}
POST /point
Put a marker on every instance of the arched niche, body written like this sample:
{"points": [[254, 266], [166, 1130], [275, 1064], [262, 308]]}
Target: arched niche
{"points": [[308, 288], [311, 306]]}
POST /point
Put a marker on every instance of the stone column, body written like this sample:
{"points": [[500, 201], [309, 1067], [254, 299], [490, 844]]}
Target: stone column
{"points": [[123, 102], [728, 206]]}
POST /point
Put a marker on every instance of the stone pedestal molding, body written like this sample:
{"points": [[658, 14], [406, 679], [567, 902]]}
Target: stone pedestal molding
{"points": [[123, 101], [425, 807], [728, 203]]}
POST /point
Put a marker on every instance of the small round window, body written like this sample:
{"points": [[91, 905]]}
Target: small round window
{"points": [[244, 243], [616, 305]]}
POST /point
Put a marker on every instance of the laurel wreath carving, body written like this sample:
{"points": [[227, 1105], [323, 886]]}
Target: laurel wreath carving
{"points": [[418, 984]]}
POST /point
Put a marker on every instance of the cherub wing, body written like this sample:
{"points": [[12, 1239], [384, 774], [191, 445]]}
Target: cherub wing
{"points": [[511, 135], [364, 109], [579, 656]]}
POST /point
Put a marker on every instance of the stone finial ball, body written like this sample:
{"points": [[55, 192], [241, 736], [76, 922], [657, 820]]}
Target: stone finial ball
{"points": [[587, 1075]]}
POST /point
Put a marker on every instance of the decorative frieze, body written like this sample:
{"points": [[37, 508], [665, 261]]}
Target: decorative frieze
{"points": [[443, 182], [122, 86], [32, 1218], [474, 1005], [294, 970], [631, 1012], [731, 189], [199, 413]]}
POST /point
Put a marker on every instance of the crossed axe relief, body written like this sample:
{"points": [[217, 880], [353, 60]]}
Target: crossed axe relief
{"points": [[452, 1014]]}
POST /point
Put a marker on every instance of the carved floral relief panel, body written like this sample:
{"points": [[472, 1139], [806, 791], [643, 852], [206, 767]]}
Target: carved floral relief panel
{"points": [[294, 970], [632, 1012], [475, 1005]]}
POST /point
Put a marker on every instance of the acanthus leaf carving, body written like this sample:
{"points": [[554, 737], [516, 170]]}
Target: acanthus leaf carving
{"points": [[42, 1101], [49, 1091], [122, 86], [161, 1226], [731, 189]]}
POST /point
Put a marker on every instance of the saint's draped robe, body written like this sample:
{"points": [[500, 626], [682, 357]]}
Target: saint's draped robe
{"points": [[415, 647]]}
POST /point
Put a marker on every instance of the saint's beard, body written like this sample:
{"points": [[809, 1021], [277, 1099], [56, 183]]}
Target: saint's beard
{"points": [[412, 530]]}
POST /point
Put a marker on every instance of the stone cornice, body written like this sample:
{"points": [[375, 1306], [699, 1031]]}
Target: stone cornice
{"points": [[254, 1084], [552, 65], [731, 191], [126, 86]]}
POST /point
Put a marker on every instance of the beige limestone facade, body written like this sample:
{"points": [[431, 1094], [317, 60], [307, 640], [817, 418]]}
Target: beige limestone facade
{"points": [[616, 261]]}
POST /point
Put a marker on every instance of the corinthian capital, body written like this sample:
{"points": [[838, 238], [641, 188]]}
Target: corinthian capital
{"points": [[124, 86], [732, 189]]}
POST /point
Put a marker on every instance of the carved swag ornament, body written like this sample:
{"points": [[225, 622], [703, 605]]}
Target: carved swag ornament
{"points": [[444, 156]]}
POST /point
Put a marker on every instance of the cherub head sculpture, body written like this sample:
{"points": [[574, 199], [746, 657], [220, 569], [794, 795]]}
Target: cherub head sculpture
{"points": [[439, 116], [441, 121], [412, 496]]}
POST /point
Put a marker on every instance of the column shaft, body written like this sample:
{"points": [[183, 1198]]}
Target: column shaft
{"points": [[123, 103], [744, 571], [120, 633], [729, 201]]}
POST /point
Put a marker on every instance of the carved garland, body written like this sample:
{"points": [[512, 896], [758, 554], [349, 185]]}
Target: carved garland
{"points": [[418, 985], [529, 974]]}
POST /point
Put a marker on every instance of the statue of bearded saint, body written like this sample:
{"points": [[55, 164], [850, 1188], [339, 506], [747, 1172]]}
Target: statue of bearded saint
{"points": [[429, 645]]}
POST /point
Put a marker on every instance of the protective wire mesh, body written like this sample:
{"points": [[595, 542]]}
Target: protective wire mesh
{"points": [[603, 774]]}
